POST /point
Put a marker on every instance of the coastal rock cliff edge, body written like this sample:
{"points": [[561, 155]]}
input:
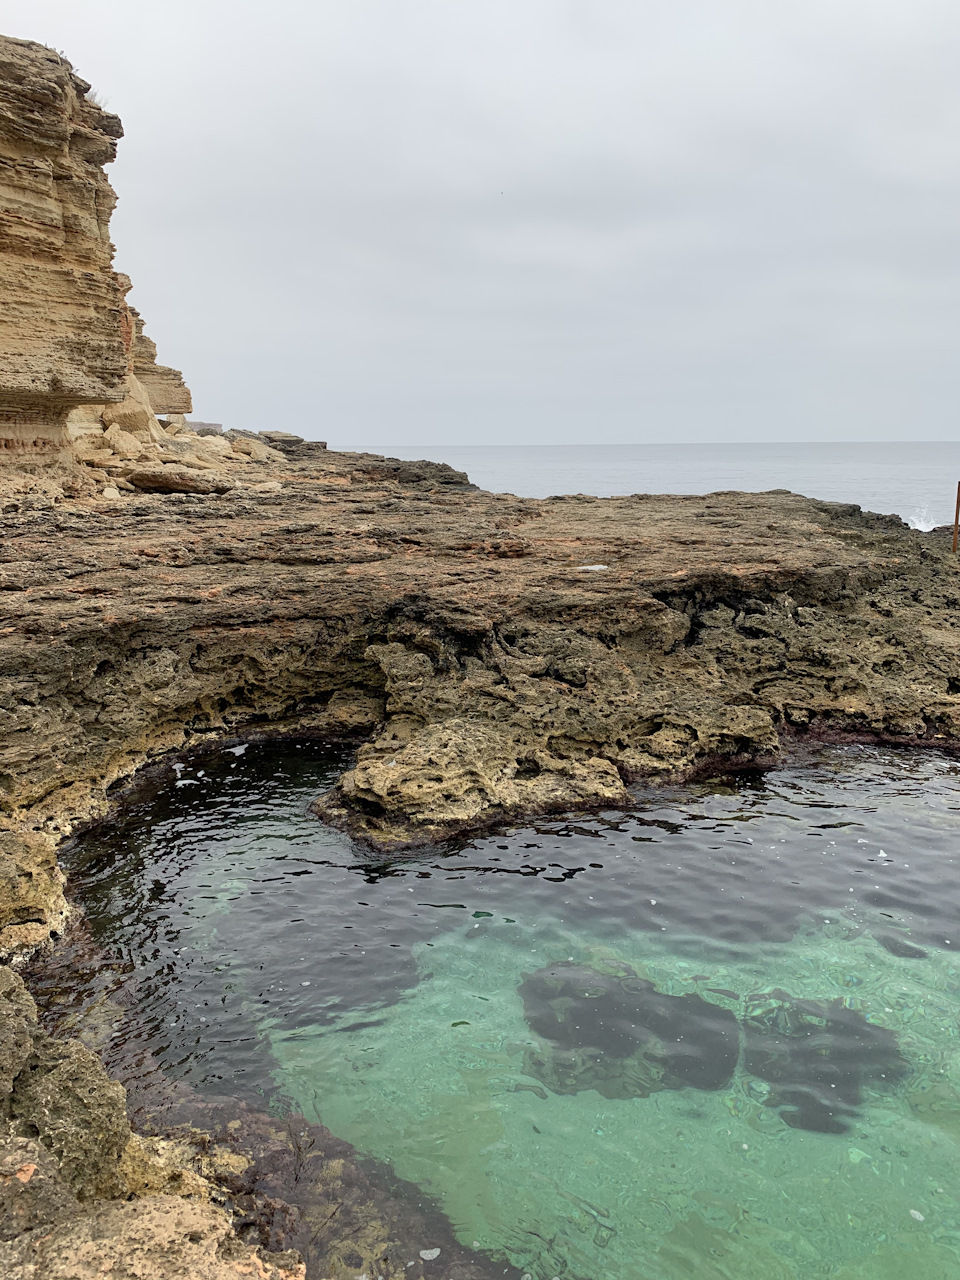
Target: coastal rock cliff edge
{"points": [[491, 656]]}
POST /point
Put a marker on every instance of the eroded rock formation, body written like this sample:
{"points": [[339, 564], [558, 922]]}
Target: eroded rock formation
{"points": [[491, 673], [61, 339], [74, 360], [69, 1165], [165, 388]]}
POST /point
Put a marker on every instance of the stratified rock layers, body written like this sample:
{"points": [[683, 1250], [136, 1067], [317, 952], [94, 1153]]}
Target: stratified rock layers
{"points": [[61, 338], [67, 337], [165, 387]]}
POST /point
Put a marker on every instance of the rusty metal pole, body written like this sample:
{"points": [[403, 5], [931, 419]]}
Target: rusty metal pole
{"points": [[956, 521]]}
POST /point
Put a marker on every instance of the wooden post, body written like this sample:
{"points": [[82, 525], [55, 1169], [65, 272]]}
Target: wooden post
{"points": [[956, 521]]}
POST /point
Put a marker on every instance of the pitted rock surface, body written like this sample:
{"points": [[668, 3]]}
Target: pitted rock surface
{"points": [[458, 633]]}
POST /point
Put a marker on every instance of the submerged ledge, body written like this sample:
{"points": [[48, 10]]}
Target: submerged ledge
{"points": [[454, 636]]}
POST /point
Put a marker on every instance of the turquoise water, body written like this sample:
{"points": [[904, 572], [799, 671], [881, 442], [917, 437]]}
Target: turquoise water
{"points": [[393, 1001]]}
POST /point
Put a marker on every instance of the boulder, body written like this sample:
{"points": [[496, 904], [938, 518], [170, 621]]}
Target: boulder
{"points": [[282, 437], [134, 413], [255, 449], [121, 443], [215, 445], [178, 479], [95, 448]]}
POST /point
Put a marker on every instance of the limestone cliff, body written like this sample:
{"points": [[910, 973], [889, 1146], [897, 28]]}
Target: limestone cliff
{"points": [[61, 327], [165, 387], [68, 341]]}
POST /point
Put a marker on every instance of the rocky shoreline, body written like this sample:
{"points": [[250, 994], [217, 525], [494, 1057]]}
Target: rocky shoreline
{"points": [[492, 656], [496, 656], [486, 671]]}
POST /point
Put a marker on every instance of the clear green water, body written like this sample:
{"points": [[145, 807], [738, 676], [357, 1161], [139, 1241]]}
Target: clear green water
{"points": [[381, 998]]}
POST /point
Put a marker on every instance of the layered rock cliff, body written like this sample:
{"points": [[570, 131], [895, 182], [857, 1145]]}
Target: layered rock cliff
{"points": [[61, 336], [165, 388], [69, 345]]}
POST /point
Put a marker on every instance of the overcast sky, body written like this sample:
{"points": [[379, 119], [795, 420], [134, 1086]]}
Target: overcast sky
{"points": [[497, 221]]}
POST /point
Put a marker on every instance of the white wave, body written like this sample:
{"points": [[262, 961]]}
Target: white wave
{"points": [[920, 519]]}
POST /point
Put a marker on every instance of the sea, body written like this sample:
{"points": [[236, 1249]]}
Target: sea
{"points": [[916, 480]]}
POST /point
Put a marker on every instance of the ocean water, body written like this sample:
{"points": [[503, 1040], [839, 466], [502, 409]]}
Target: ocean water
{"points": [[715, 1036], [915, 480]]}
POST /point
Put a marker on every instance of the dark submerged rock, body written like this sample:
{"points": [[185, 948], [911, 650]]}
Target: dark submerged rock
{"points": [[817, 1055], [898, 946], [616, 1033]]}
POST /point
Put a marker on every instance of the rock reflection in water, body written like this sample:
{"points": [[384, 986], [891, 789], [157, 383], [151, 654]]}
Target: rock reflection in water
{"points": [[615, 1032]]}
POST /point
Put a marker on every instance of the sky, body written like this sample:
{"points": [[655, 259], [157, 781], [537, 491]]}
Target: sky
{"points": [[397, 222]]}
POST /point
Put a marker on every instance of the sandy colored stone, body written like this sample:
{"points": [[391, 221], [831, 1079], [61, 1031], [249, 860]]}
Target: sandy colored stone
{"points": [[165, 388], [83, 421], [134, 414], [158, 1166], [61, 342], [32, 1193], [282, 437], [178, 479], [60, 337], [255, 449], [216, 445], [32, 905], [94, 449], [70, 347], [154, 1238], [64, 1096], [201, 453], [121, 442], [18, 1029]]}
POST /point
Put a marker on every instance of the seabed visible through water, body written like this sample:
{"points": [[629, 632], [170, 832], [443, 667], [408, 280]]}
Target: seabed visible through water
{"points": [[715, 1037]]}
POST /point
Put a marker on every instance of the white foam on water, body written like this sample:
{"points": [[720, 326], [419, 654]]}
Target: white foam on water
{"points": [[920, 519]]}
